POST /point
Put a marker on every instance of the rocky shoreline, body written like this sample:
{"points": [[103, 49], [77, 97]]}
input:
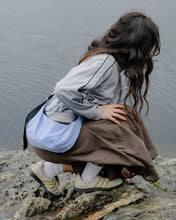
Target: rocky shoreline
{"points": [[22, 198]]}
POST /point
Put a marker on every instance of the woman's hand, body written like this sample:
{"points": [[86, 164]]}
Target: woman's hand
{"points": [[111, 112]]}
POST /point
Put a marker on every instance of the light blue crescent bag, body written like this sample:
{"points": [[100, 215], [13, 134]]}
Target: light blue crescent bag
{"points": [[47, 134]]}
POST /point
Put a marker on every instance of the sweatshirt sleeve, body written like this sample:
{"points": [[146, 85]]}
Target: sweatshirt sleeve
{"points": [[84, 77]]}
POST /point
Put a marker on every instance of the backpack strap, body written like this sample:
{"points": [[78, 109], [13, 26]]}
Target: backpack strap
{"points": [[30, 115]]}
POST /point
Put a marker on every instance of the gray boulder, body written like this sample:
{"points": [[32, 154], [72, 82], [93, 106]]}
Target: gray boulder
{"points": [[23, 198]]}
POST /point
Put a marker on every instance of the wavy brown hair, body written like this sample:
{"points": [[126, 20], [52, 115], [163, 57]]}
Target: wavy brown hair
{"points": [[133, 40]]}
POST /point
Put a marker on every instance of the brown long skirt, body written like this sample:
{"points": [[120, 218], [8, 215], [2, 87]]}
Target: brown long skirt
{"points": [[114, 146]]}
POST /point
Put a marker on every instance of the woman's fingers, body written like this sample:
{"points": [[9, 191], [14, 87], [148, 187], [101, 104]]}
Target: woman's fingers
{"points": [[112, 112], [119, 111], [114, 120], [118, 116], [125, 172]]}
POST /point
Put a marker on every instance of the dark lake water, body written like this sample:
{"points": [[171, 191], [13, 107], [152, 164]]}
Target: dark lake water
{"points": [[41, 40]]}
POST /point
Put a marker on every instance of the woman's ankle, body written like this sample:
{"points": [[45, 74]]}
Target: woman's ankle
{"points": [[52, 169], [67, 168], [90, 171]]}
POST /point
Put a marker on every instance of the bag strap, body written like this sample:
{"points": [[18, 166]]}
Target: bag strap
{"points": [[30, 115]]}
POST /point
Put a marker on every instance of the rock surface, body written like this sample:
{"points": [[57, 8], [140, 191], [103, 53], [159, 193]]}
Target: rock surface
{"points": [[89, 202], [22, 198]]}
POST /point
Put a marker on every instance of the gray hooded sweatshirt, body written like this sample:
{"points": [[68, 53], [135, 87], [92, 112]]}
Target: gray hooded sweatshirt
{"points": [[83, 91]]}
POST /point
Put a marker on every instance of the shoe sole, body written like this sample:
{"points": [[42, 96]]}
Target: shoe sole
{"points": [[40, 182], [97, 189]]}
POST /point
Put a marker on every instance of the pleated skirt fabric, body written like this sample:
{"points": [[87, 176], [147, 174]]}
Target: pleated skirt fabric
{"points": [[111, 145]]}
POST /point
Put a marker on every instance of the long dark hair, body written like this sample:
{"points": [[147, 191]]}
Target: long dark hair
{"points": [[133, 40]]}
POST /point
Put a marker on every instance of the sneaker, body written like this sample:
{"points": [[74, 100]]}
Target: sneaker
{"points": [[50, 184], [97, 183]]}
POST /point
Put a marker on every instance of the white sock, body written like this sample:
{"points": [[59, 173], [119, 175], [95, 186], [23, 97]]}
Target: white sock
{"points": [[90, 171], [52, 169]]}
